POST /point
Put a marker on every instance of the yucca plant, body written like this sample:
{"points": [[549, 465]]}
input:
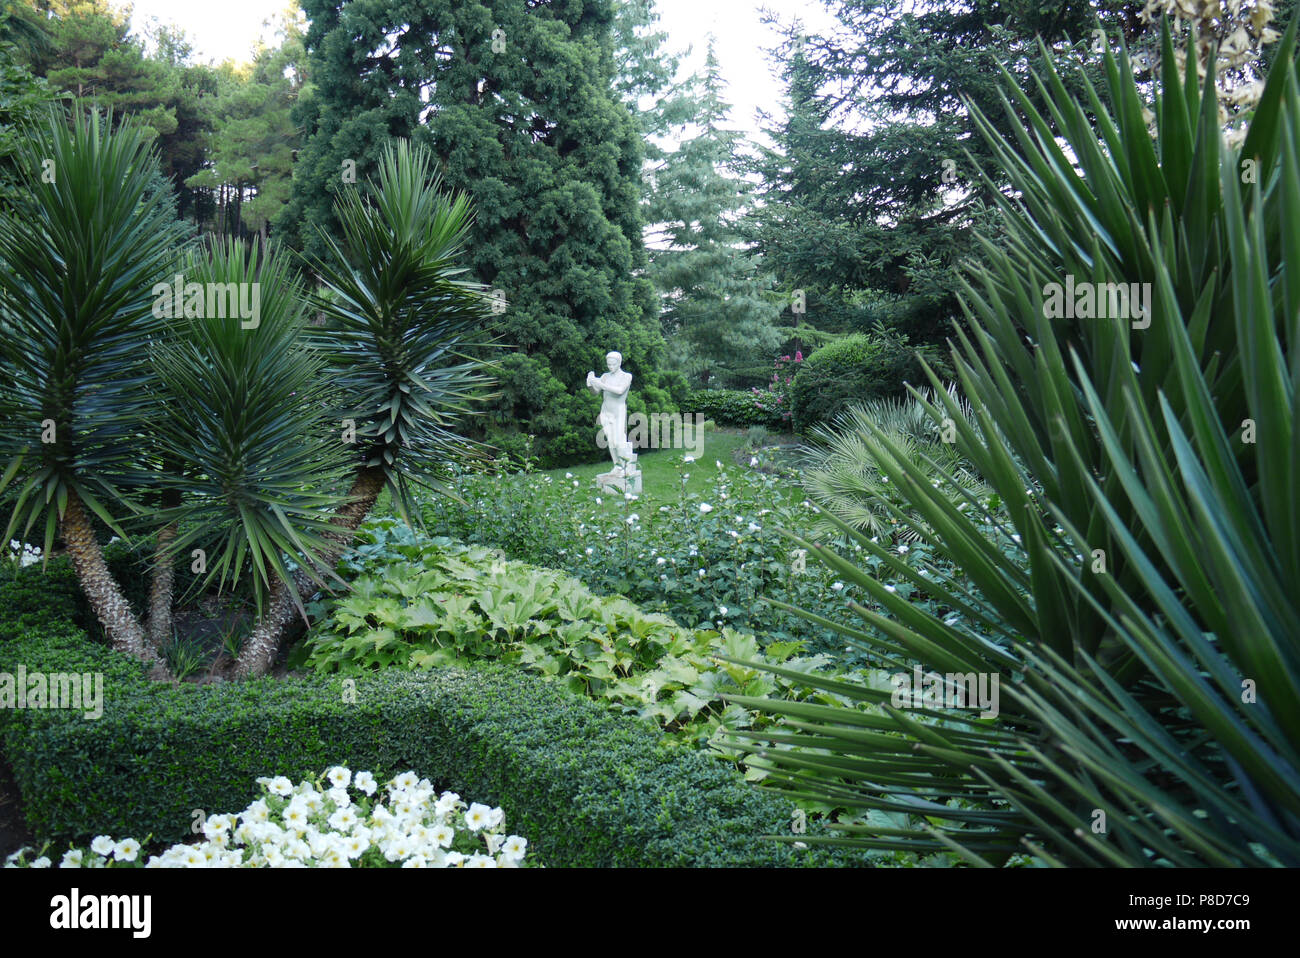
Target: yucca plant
{"points": [[839, 469], [1143, 627], [78, 257], [245, 419], [400, 314]]}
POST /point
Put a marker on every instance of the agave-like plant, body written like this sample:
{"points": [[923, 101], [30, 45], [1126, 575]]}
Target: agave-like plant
{"points": [[400, 316], [79, 255], [839, 463], [246, 425], [1146, 625]]}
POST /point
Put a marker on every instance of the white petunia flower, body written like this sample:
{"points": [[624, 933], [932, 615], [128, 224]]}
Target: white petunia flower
{"points": [[339, 776], [280, 786], [72, 858], [366, 782], [127, 849], [514, 848], [705, 508], [102, 845], [476, 817]]}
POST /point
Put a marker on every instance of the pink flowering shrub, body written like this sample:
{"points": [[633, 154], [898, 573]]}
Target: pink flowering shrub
{"points": [[775, 399]]}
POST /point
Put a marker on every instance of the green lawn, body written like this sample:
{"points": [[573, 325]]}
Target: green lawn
{"points": [[662, 469]]}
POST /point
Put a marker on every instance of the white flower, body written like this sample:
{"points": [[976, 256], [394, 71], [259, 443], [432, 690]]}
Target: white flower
{"points": [[700, 573], [590, 550], [365, 781], [722, 610], [343, 819], [890, 588], [902, 550], [837, 586], [480, 861], [339, 776], [660, 561], [598, 500], [295, 814], [44, 862], [633, 518], [755, 527], [476, 817], [340, 797], [568, 475], [753, 461], [688, 458], [443, 835], [407, 780], [514, 848], [72, 858], [102, 845], [126, 850], [718, 463], [705, 507]]}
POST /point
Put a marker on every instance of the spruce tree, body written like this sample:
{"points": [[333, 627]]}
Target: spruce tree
{"points": [[716, 319], [518, 101]]}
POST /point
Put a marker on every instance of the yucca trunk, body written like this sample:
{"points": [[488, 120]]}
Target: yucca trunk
{"points": [[163, 582], [111, 607], [258, 653]]}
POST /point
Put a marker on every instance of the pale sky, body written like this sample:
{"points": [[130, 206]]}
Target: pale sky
{"points": [[229, 29]]}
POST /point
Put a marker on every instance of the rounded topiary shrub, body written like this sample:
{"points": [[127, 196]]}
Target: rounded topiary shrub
{"points": [[855, 368]]}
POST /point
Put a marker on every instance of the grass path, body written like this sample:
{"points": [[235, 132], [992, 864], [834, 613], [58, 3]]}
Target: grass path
{"points": [[662, 470]]}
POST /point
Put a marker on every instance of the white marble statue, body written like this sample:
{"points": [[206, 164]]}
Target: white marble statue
{"points": [[613, 387]]}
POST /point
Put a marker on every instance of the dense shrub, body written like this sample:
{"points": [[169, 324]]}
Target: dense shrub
{"points": [[588, 787], [47, 593], [733, 407], [858, 367], [439, 603]]}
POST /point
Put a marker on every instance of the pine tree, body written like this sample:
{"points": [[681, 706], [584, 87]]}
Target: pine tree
{"points": [[254, 136], [519, 103], [869, 200], [716, 319]]}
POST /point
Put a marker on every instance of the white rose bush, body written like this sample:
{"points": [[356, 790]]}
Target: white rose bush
{"points": [[339, 821]]}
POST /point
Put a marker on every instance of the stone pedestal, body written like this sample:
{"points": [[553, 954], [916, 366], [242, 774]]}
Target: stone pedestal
{"points": [[625, 477]]}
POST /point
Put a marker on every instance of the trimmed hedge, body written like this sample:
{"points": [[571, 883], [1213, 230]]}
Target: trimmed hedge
{"points": [[856, 368], [585, 786], [732, 407]]}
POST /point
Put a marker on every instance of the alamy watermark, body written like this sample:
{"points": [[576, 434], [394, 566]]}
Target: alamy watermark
{"points": [[54, 690], [950, 690], [181, 300], [663, 430], [1071, 300]]}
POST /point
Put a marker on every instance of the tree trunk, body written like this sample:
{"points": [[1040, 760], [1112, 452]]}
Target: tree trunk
{"points": [[260, 648], [259, 651], [163, 578], [161, 587], [111, 607]]}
